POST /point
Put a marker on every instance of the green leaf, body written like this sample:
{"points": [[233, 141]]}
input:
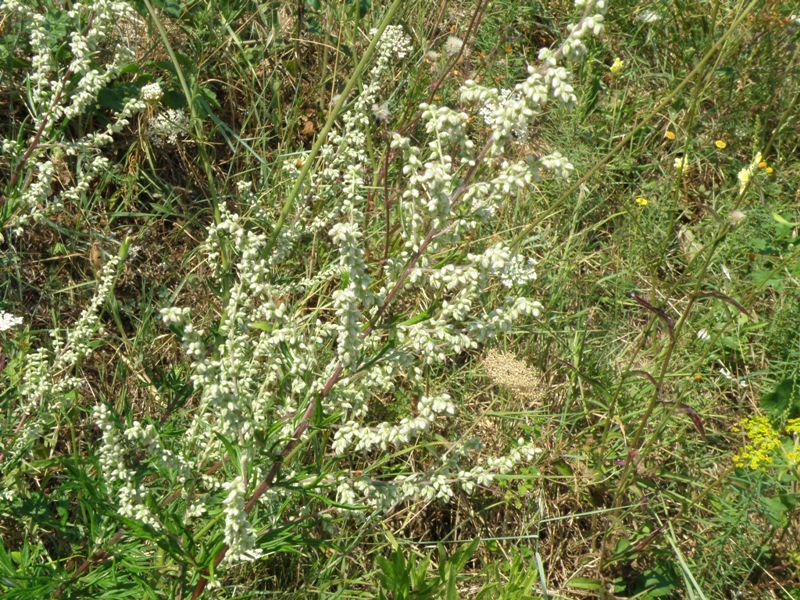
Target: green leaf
{"points": [[584, 583], [767, 278], [265, 326], [779, 219], [775, 510], [784, 400], [233, 452], [114, 97], [418, 318]]}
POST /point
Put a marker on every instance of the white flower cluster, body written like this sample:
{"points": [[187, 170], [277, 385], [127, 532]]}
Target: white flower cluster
{"points": [[113, 455], [557, 163], [46, 375], [7, 321], [345, 163], [168, 128], [591, 23], [146, 438], [239, 534], [507, 112], [138, 444], [363, 438], [381, 496], [460, 323], [344, 159], [59, 93], [485, 474], [337, 334], [49, 103], [152, 92]]}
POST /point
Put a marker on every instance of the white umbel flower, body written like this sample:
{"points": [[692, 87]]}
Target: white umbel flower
{"points": [[168, 128], [7, 321], [152, 92]]}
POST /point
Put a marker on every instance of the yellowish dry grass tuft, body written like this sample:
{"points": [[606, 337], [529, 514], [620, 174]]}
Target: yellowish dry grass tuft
{"points": [[507, 371]]}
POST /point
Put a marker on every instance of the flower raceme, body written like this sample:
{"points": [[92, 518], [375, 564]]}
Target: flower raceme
{"points": [[62, 89]]}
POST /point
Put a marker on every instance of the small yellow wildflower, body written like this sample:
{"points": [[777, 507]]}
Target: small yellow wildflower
{"points": [[762, 164], [763, 441], [770, 170], [744, 178], [641, 201], [617, 66], [508, 49], [681, 164], [793, 426], [698, 377], [669, 134], [721, 144]]}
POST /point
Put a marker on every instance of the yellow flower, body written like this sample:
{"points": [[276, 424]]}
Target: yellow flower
{"points": [[763, 442], [744, 178], [641, 201], [617, 66], [762, 164], [681, 164], [721, 144], [669, 134], [698, 377], [508, 49], [770, 170]]}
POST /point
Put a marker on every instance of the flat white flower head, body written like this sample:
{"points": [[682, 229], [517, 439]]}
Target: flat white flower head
{"points": [[152, 92], [7, 321], [169, 127]]}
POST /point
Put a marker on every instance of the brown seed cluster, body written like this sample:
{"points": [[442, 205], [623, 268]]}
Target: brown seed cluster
{"points": [[507, 371]]}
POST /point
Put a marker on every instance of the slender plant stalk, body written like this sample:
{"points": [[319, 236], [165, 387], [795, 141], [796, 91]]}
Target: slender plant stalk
{"points": [[637, 449], [334, 113]]}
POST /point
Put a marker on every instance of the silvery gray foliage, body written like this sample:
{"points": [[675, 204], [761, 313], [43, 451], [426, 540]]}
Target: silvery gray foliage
{"points": [[293, 341]]}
